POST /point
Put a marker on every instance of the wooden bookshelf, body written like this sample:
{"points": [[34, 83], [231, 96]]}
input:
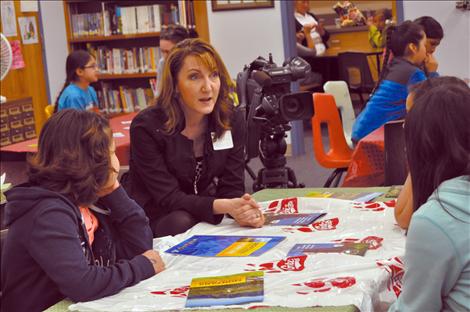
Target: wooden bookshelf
{"points": [[113, 37], [127, 76], [125, 40]]}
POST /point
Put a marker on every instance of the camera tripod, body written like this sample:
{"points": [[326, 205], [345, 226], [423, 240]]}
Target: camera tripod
{"points": [[275, 174]]}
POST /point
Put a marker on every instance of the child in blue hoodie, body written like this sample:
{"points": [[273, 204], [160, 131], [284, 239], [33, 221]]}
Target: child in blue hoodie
{"points": [[407, 42], [73, 231], [437, 256]]}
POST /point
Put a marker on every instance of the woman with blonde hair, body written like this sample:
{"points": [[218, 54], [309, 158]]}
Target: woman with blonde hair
{"points": [[187, 150]]}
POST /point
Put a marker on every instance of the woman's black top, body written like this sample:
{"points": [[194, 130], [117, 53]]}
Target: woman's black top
{"points": [[163, 168]]}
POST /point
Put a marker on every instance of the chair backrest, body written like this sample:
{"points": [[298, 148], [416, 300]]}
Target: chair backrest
{"points": [[49, 109], [396, 168], [340, 91], [354, 69], [325, 112]]}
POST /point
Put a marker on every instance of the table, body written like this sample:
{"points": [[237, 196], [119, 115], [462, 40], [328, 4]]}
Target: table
{"points": [[14, 156], [357, 275], [367, 166]]}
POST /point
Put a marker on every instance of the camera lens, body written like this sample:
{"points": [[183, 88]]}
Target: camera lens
{"points": [[296, 106]]}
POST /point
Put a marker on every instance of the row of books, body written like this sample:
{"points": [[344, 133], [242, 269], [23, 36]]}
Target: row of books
{"points": [[114, 20], [123, 99], [118, 61]]}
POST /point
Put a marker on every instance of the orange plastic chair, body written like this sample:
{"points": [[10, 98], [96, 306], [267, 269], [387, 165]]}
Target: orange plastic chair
{"points": [[339, 154]]}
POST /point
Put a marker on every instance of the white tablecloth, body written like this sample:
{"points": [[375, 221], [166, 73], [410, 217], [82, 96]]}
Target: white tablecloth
{"points": [[368, 282]]}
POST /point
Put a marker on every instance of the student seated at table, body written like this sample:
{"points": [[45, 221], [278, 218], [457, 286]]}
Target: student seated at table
{"points": [[187, 150], [377, 29], [59, 244], [404, 207], [437, 253], [387, 102], [81, 70], [304, 18]]}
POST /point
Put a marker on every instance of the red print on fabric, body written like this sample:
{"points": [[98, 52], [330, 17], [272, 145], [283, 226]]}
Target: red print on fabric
{"points": [[326, 284], [378, 206], [296, 263], [324, 225], [374, 242], [287, 205], [395, 267], [179, 292]]}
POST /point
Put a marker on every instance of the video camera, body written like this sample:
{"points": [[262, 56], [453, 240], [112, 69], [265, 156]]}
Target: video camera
{"points": [[264, 92]]}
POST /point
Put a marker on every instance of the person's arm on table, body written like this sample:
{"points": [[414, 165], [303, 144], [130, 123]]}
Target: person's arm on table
{"points": [[129, 221], [231, 184], [404, 206], [54, 232]]}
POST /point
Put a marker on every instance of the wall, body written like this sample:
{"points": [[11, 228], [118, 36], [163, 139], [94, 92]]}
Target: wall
{"points": [[240, 36], [453, 54], [55, 42], [28, 81]]}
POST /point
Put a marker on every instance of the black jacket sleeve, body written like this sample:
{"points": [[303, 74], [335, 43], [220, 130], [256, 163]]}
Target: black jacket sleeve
{"points": [[148, 160], [130, 224], [55, 245], [232, 181]]}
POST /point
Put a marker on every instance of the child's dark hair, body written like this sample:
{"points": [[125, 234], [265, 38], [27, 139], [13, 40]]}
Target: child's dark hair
{"points": [[397, 40], [437, 135], [77, 59], [174, 33], [73, 156], [431, 27]]}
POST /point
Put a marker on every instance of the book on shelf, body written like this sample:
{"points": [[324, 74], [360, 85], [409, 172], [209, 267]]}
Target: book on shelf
{"points": [[291, 218], [125, 61], [225, 246], [349, 248], [126, 20], [123, 99], [226, 290]]}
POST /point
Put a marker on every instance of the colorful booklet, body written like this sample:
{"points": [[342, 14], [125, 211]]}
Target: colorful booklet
{"points": [[291, 218], [358, 249], [226, 290], [225, 246], [360, 197]]}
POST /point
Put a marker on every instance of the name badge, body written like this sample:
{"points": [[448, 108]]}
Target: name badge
{"points": [[224, 142]]}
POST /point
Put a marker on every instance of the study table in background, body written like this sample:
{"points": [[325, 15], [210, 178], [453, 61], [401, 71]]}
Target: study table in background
{"points": [[14, 155], [373, 220]]}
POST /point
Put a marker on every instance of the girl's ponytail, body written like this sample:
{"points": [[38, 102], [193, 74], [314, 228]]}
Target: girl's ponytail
{"points": [[77, 59]]}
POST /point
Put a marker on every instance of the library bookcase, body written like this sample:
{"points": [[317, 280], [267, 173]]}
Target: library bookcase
{"points": [[124, 37]]}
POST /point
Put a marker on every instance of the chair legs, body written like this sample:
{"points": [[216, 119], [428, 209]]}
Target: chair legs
{"points": [[335, 177]]}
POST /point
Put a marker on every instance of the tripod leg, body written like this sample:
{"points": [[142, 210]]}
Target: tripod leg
{"points": [[293, 179]]}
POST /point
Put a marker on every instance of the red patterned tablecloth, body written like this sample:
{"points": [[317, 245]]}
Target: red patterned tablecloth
{"points": [[367, 167]]}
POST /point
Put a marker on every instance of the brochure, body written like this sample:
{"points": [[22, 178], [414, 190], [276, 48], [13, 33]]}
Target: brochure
{"points": [[226, 290], [225, 246], [360, 197], [358, 249], [291, 218]]}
